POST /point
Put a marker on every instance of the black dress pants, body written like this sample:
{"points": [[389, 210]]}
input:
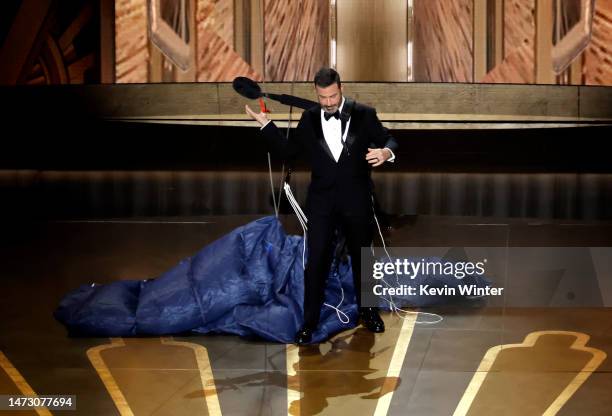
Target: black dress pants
{"points": [[358, 231]]}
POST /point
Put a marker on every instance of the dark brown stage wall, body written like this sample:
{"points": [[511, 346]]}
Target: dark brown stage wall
{"points": [[468, 41]]}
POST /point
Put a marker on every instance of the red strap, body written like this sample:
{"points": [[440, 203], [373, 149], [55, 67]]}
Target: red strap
{"points": [[262, 106]]}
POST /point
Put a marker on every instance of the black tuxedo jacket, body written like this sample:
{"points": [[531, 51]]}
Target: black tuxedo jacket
{"points": [[344, 185]]}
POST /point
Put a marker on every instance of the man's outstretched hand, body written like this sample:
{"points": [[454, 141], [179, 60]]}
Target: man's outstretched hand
{"points": [[261, 118], [377, 157]]}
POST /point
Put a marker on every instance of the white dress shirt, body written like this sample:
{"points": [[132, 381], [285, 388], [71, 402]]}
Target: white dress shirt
{"points": [[332, 129]]}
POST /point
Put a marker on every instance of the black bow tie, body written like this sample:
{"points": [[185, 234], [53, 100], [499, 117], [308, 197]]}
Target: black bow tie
{"points": [[330, 115]]}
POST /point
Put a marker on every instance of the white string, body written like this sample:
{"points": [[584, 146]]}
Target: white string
{"points": [[281, 180], [295, 204], [301, 218], [337, 307], [394, 308], [272, 185]]}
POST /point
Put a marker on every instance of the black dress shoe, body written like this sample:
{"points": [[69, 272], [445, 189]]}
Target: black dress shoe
{"points": [[371, 319], [303, 336]]}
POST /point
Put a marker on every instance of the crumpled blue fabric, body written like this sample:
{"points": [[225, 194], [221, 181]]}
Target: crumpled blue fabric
{"points": [[250, 283]]}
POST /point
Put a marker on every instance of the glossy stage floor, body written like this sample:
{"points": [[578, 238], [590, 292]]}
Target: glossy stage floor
{"points": [[542, 348]]}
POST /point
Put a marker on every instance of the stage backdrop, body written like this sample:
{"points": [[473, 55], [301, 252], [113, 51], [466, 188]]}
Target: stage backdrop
{"points": [[142, 41]]}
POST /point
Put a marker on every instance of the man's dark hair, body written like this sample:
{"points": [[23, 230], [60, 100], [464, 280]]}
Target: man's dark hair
{"points": [[326, 77]]}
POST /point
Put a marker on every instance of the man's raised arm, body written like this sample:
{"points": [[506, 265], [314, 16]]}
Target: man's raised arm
{"points": [[275, 140]]}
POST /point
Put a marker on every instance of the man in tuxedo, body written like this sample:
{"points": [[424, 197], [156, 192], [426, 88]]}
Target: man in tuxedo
{"points": [[342, 141]]}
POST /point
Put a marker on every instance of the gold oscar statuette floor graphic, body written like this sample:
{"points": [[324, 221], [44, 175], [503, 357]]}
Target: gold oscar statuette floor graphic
{"points": [[537, 376], [156, 376], [355, 372], [13, 383]]}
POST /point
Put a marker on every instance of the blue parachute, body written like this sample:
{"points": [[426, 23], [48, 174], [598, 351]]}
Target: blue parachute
{"points": [[249, 283]]}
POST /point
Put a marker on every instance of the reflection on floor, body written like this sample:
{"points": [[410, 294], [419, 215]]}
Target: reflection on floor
{"points": [[543, 352]]}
